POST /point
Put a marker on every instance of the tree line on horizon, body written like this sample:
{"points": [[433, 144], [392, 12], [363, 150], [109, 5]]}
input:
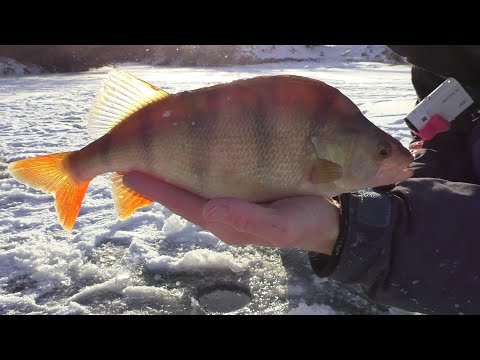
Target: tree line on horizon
{"points": [[71, 58]]}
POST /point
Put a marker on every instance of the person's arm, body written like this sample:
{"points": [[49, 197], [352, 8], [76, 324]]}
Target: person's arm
{"points": [[415, 247]]}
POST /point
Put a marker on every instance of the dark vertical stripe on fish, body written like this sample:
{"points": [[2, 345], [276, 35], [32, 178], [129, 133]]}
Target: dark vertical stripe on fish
{"points": [[263, 136], [105, 148], [319, 120], [200, 125], [146, 135]]}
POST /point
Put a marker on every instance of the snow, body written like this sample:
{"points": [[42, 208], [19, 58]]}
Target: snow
{"points": [[244, 54], [315, 309], [324, 54], [199, 260], [10, 67], [156, 262]]}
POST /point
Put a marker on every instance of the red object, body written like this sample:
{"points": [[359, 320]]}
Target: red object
{"points": [[417, 145], [435, 125]]}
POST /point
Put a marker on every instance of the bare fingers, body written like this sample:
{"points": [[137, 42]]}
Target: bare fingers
{"points": [[249, 222], [181, 202]]}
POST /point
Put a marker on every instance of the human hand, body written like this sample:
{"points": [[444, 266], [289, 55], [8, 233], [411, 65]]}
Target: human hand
{"points": [[307, 222]]}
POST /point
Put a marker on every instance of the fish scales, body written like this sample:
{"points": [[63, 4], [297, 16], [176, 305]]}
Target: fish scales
{"points": [[258, 139]]}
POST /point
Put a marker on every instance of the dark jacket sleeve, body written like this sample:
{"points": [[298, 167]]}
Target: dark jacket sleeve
{"points": [[458, 61], [415, 247]]}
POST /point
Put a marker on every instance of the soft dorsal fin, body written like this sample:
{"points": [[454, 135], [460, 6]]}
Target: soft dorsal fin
{"points": [[122, 95]]}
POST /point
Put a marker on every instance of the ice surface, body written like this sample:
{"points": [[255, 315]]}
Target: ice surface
{"points": [[315, 309]]}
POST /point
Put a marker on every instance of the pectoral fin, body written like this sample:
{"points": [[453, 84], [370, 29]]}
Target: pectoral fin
{"points": [[324, 171]]}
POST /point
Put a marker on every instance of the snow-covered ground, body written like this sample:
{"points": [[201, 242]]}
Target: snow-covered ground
{"points": [[225, 55], [318, 53], [9, 67], [156, 262]]}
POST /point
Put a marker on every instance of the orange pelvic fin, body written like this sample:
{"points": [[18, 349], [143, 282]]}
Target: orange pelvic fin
{"points": [[126, 200], [49, 174]]}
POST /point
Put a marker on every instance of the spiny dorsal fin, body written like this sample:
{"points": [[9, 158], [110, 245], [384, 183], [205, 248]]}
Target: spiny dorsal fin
{"points": [[126, 200], [122, 95]]}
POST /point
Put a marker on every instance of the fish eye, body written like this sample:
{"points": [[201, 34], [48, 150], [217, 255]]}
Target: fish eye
{"points": [[384, 149]]}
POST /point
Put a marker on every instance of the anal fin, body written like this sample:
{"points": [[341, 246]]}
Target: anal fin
{"points": [[126, 200]]}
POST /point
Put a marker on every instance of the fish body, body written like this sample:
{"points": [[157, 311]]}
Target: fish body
{"points": [[258, 139]]}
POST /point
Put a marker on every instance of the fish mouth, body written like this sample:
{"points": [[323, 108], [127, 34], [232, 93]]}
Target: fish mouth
{"points": [[404, 175], [394, 174]]}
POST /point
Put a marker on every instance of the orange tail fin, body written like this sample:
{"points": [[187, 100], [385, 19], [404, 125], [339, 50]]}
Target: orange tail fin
{"points": [[48, 173]]}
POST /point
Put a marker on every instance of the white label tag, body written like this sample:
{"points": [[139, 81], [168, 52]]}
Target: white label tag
{"points": [[448, 100]]}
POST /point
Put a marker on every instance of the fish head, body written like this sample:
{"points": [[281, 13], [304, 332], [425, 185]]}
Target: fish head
{"points": [[351, 153], [376, 159], [371, 157]]}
